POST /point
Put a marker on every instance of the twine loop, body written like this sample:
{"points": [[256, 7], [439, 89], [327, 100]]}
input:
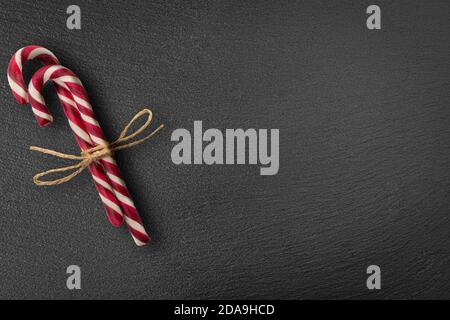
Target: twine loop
{"points": [[89, 156]]}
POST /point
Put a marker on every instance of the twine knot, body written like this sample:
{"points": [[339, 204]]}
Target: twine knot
{"points": [[94, 154]]}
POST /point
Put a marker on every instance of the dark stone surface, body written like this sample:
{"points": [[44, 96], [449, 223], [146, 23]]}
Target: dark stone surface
{"points": [[364, 151]]}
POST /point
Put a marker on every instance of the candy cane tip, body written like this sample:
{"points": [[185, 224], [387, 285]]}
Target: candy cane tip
{"points": [[115, 222], [140, 243], [45, 122], [22, 101]]}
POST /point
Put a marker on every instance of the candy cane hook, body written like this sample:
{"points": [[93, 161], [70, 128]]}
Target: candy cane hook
{"points": [[15, 77]]}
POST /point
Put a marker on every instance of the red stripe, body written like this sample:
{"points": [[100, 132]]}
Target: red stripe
{"points": [[16, 75]]}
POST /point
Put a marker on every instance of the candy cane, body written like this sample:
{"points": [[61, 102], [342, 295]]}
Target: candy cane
{"points": [[19, 89], [75, 96]]}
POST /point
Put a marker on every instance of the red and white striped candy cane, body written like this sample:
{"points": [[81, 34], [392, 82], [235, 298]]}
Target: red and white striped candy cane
{"points": [[74, 95], [15, 78]]}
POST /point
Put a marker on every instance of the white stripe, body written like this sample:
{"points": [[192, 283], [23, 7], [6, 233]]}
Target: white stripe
{"points": [[83, 102], [17, 89], [103, 183], [110, 160], [98, 140], [90, 120], [111, 204], [116, 179], [80, 132], [62, 84], [70, 79], [48, 73], [38, 51], [135, 225], [18, 58], [138, 242], [42, 114], [66, 100], [124, 199], [32, 91]]}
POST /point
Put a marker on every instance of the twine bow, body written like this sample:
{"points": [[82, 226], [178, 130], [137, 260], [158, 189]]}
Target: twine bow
{"points": [[96, 153]]}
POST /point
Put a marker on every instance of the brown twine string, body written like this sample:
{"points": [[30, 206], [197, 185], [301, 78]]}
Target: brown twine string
{"points": [[96, 153]]}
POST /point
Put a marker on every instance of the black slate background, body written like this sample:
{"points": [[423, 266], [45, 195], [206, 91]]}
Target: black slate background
{"points": [[364, 146]]}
